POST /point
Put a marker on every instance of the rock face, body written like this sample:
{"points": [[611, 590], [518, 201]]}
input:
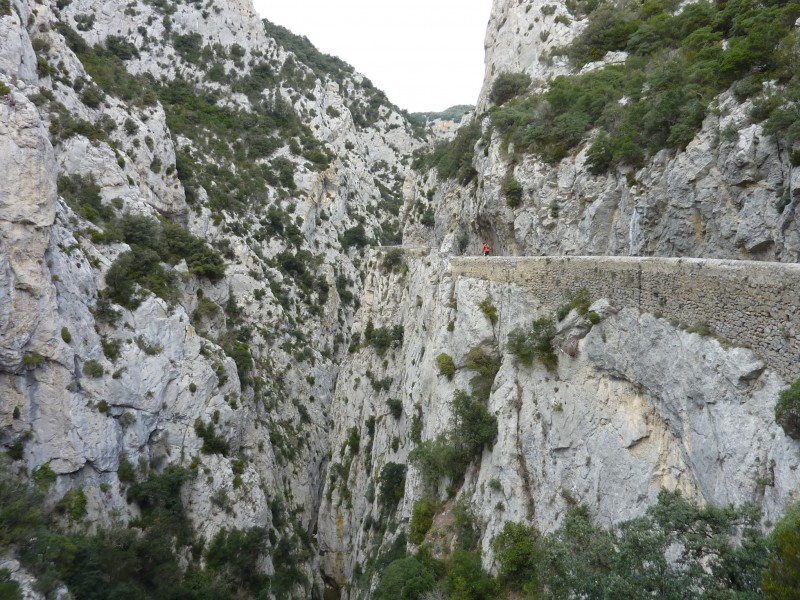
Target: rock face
{"points": [[520, 37], [27, 211], [635, 405], [102, 394], [262, 381], [720, 198]]}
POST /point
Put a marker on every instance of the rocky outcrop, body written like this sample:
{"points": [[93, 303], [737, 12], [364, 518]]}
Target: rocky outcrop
{"points": [[726, 196], [521, 37], [27, 211], [103, 394], [636, 404], [262, 381]]}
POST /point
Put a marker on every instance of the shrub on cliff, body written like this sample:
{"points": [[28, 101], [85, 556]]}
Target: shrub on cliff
{"points": [[405, 579], [472, 428], [383, 338], [453, 159], [82, 194], [534, 343], [509, 85], [138, 266], [512, 190], [421, 519], [446, 365], [679, 61], [486, 366], [781, 579], [392, 484], [787, 411]]}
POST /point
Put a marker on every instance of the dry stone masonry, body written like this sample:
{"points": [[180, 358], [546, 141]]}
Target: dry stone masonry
{"points": [[752, 304]]}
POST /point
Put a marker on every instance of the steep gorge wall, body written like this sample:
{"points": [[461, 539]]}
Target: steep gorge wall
{"points": [[637, 403], [751, 304]]}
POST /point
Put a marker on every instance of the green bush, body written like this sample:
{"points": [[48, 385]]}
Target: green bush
{"points": [[153, 243], [212, 443], [489, 309], [158, 556], [4, 89], [474, 428], [9, 589], [354, 237], [781, 578], [92, 96], [121, 48], [487, 367], [92, 368], [391, 485], [787, 410], [82, 194], [581, 301], [241, 355], [512, 190], [534, 343], [466, 578], [395, 407], [393, 259], [66, 335], [138, 267], [33, 359], [383, 338], [518, 553], [180, 244], [405, 579], [16, 450], [353, 440], [563, 311], [471, 429], [453, 160], [446, 365], [508, 85], [111, 348], [188, 47], [679, 61], [125, 471], [73, 505], [234, 556], [43, 476], [421, 519], [436, 459]]}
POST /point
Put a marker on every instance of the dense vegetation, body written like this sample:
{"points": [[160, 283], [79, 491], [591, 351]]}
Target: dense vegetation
{"points": [[535, 342], [787, 410], [140, 561], [471, 430], [677, 550], [154, 243], [679, 61], [453, 159], [233, 137]]}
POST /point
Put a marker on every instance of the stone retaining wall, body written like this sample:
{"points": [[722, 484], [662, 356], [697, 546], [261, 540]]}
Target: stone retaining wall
{"points": [[752, 304]]}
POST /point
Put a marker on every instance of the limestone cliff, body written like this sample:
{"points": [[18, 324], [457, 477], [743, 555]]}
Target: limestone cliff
{"points": [[229, 376], [188, 201], [636, 404]]}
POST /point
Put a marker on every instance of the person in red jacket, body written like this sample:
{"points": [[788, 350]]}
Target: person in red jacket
{"points": [[486, 249]]}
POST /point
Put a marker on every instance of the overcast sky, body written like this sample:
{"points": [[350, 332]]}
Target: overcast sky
{"points": [[427, 55]]}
